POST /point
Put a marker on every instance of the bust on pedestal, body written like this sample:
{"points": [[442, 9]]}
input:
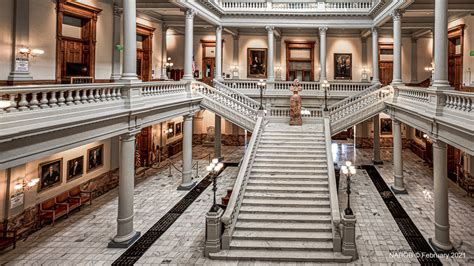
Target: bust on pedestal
{"points": [[295, 104]]}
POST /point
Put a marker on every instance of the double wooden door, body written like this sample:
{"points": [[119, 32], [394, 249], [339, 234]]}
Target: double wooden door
{"points": [[386, 72], [208, 69], [455, 63]]}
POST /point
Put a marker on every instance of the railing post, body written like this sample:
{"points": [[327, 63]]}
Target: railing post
{"points": [[213, 232], [133, 95]]}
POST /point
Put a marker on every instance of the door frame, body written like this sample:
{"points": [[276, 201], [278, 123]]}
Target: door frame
{"points": [[204, 45], [454, 33], [147, 47], [303, 45], [384, 45]]}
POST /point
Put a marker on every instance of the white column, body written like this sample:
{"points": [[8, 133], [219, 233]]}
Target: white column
{"points": [[164, 52], [278, 74], [398, 185], [441, 43], [375, 56], [440, 174], [129, 67], [270, 66], [397, 48], [376, 146], [217, 138], [188, 45], [116, 41], [235, 55], [126, 235], [322, 53], [114, 152], [187, 179], [218, 70], [20, 38], [414, 61]]}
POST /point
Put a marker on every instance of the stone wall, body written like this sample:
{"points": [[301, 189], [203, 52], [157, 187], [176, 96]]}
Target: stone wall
{"points": [[365, 142], [228, 140]]}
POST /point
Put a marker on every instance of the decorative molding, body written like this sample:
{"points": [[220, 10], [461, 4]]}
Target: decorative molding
{"points": [[270, 29], [396, 15], [190, 13], [322, 30]]}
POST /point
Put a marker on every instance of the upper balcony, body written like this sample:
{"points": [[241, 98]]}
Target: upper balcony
{"points": [[301, 7]]}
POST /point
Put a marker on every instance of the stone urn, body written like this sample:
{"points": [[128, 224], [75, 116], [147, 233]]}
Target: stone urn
{"points": [[295, 104]]}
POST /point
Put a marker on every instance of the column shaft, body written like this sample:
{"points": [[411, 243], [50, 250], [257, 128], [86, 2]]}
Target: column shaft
{"points": [[129, 67], [217, 139], [322, 53], [441, 44], [126, 235], [375, 56], [398, 186], [270, 66], [188, 45], [397, 48], [20, 38], [376, 146], [414, 61], [164, 52], [187, 179], [218, 69], [116, 41], [440, 193], [278, 74]]}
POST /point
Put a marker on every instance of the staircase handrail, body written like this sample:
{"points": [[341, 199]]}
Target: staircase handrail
{"points": [[354, 97], [334, 201], [233, 92], [229, 218]]}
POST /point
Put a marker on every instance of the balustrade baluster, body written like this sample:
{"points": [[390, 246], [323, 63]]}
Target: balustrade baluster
{"points": [[44, 100], [84, 96], [61, 99], [91, 95], [34, 101], [53, 101], [23, 104], [69, 98], [13, 104], [108, 95]]}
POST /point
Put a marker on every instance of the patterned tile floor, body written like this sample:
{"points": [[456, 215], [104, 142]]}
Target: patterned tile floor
{"points": [[82, 238]]}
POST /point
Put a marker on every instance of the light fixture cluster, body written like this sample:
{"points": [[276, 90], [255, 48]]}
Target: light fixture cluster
{"points": [[33, 52], [26, 185], [169, 130], [348, 169], [261, 83], [168, 63], [214, 166]]}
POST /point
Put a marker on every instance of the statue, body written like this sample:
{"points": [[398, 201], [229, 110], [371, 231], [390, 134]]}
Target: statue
{"points": [[295, 104], [210, 136]]}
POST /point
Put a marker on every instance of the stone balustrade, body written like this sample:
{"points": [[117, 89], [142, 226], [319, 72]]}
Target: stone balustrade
{"points": [[459, 101], [413, 94], [288, 5]]}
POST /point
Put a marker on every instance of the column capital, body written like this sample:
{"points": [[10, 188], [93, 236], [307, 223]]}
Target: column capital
{"points": [[270, 29], [414, 39], [235, 37], [374, 30], [189, 116], [165, 27], [322, 30], [117, 11], [130, 135], [395, 121], [396, 15], [437, 143], [190, 13], [219, 28]]}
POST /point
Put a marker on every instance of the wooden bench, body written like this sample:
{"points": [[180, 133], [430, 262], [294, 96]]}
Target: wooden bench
{"points": [[83, 196], [7, 239], [51, 210]]}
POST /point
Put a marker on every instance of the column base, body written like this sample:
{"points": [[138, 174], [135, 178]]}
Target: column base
{"points": [[125, 243], [397, 190], [397, 83], [440, 248], [187, 186], [377, 162]]}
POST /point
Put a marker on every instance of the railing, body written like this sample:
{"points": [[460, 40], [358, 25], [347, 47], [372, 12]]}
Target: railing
{"points": [[334, 201], [354, 97], [284, 112], [229, 218], [162, 87], [243, 5], [237, 95], [459, 101], [413, 94], [305, 85]]}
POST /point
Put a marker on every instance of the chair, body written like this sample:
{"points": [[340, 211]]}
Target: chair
{"points": [[50, 210], [84, 196], [469, 184], [7, 239], [73, 203]]}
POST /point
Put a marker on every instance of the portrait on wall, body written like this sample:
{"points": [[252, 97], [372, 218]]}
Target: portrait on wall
{"points": [[172, 131], [385, 126], [418, 134], [179, 128], [95, 158], [50, 174], [257, 62], [75, 168], [343, 66]]}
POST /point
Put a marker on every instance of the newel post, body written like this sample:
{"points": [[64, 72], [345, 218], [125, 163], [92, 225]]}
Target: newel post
{"points": [[348, 236], [213, 231], [132, 94]]}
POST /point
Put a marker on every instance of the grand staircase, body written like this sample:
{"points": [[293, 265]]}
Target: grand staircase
{"points": [[285, 213]]}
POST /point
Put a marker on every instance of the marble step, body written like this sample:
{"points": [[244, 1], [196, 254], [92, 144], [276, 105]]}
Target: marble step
{"points": [[290, 147], [287, 202], [294, 143], [280, 255], [300, 166], [282, 227], [292, 140], [289, 196], [278, 235], [313, 246], [292, 183], [289, 177], [291, 152], [261, 188], [272, 170], [267, 135], [293, 156], [288, 132], [290, 160], [284, 210]]}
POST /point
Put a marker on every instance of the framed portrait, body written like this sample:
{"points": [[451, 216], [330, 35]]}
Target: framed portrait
{"points": [[385, 126], [418, 134], [172, 132], [179, 128], [50, 174], [75, 168], [95, 158], [343, 66], [257, 62]]}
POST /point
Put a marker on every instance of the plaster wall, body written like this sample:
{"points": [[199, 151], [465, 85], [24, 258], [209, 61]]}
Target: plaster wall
{"points": [[468, 61], [6, 28], [157, 62], [351, 45], [316, 64]]}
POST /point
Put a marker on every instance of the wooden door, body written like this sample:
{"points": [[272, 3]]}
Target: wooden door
{"points": [[140, 63], [454, 63], [453, 160], [144, 147], [208, 67], [386, 72]]}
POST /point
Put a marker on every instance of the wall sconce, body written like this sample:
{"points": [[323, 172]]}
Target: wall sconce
{"points": [[235, 71], [169, 130], [426, 137], [26, 185], [26, 52], [168, 64], [365, 75]]}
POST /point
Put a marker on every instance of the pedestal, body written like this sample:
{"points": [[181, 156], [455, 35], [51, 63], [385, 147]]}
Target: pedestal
{"points": [[213, 232], [349, 247]]}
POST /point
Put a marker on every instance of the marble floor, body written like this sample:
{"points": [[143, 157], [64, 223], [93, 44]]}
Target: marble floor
{"points": [[82, 238]]}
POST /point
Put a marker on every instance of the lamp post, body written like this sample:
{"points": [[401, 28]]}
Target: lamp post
{"points": [[348, 170], [214, 167], [261, 85], [325, 85]]}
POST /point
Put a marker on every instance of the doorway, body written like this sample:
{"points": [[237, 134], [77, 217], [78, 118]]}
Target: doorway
{"points": [[299, 60], [208, 61], [386, 63], [455, 56], [144, 52]]}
